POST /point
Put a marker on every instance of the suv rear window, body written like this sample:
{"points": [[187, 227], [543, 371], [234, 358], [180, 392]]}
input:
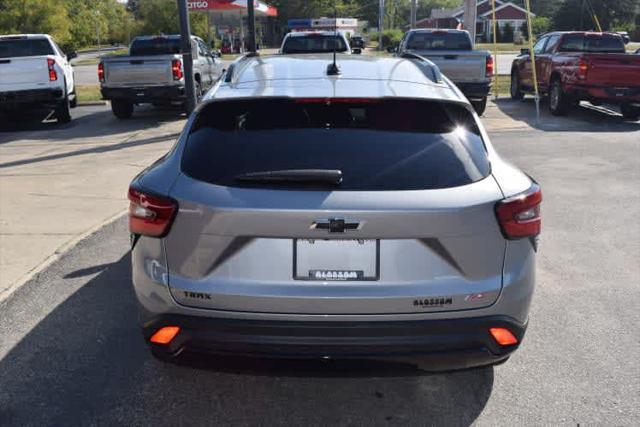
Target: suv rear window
{"points": [[155, 46], [391, 144], [439, 41], [605, 43], [14, 48], [314, 43]]}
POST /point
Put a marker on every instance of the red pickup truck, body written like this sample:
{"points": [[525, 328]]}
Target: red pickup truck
{"points": [[580, 66]]}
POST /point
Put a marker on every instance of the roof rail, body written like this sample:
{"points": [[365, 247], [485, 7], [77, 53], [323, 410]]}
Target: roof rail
{"points": [[436, 76], [228, 77]]}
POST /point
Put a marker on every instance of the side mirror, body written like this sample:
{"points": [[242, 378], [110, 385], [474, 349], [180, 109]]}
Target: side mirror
{"points": [[524, 52], [392, 49], [356, 51], [626, 39], [72, 55]]}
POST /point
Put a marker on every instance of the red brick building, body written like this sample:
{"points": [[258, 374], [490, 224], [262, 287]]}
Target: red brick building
{"points": [[506, 13]]}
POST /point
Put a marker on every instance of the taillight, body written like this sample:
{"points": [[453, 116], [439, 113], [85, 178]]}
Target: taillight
{"points": [[176, 69], [583, 68], [53, 76], [101, 72], [519, 216], [150, 215], [503, 336], [489, 66]]}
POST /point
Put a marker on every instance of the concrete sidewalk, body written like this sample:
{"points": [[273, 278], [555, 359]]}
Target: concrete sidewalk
{"points": [[60, 182]]}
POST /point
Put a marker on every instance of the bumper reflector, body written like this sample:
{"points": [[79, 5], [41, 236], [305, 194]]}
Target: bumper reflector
{"points": [[503, 336], [165, 335]]}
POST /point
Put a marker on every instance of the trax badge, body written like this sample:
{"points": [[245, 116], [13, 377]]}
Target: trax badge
{"points": [[196, 295]]}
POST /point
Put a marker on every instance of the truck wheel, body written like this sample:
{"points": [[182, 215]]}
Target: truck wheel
{"points": [[559, 101], [122, 109], [74, 101], [630, 112], [515, 89], [480, 105], [63, 111]]}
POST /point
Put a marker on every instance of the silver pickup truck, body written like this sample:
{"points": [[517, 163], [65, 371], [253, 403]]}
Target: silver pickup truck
{"points": [[452, 51], [153, 72]]}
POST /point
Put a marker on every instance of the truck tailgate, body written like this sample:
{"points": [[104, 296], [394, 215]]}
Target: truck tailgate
{"points": [[459, 66], [138, 70], [611, 69], [23, 70]]}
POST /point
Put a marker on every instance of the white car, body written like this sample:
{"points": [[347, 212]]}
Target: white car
{"points": [[35, 74]]}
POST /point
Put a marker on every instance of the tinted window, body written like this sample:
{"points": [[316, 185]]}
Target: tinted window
{"points": [[155, 46], [605, 43], [378, 145], [551, 44], [539, 46], [439, 41], [25, 47], [314, 43]]}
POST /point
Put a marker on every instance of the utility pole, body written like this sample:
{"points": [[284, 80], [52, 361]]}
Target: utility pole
{"points": [[470, 18], [187, 55], [414, 10], [380, 23], [251, 25]]}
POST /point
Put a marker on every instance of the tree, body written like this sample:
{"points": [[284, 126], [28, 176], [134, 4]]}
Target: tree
{"points": [[577, 15], [161, 16], [35, 16]]}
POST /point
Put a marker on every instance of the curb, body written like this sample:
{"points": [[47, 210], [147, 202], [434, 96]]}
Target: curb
{"points": [[91, 103], [59, 252]]}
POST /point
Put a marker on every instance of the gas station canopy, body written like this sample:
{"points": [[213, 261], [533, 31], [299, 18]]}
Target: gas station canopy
{"points": [[231, 7]]}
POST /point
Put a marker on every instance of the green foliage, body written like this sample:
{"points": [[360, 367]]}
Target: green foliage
{"points": [[507, 34], [577, 15], [540, 25], [35, 16], [391, 37]]}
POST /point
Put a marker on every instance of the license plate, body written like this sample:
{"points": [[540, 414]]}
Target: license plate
{"points": [[336, 260]]}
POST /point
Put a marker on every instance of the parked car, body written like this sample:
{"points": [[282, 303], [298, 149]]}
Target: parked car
{"points": [[452, 51], [153, 72], [35, 73], [357, 41], [315, 42], [580, 66], [364, 215]]}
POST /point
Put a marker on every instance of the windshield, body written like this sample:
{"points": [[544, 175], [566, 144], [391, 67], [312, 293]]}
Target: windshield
{"points": [[394, 144], [439, 41], [155, 46], [13, 48], [605, 43], [314, 43]]}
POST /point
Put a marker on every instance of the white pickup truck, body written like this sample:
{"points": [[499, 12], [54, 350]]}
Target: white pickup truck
{"points": [[35, 74]]}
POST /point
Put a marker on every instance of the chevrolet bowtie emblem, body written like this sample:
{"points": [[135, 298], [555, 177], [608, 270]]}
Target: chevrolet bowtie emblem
{"points": [[335, 225]]}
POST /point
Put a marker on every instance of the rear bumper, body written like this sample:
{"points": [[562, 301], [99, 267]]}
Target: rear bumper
{"points": [[475, 91], [144, 94], [608, 94], [434, 344], [30, 98]]}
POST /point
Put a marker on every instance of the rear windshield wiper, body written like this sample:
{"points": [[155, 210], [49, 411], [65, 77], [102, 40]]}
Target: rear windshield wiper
{"points": [[327, 176]]}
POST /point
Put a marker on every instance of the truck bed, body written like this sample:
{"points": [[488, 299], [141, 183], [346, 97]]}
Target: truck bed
{"points": [[139, 71]]}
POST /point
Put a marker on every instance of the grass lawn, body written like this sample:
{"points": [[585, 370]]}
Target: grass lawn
{"points": [[502, 86], [502, 47], [88, 93]]}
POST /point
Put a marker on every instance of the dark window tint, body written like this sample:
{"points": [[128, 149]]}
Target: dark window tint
{"points": [[12, 48], [439, 41], [378, 145], [314, 43], [606, 43], [155, 46]]}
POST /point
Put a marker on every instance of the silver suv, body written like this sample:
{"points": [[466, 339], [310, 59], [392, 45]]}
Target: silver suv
{"points": [[363, 214]]}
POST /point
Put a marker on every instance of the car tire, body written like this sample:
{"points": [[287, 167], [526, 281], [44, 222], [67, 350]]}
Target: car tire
{"points": [[559, 101], [198, 90], [515, 89], [480, 105], [63, 110], [630, 112], [74, 101], [122, 109]]}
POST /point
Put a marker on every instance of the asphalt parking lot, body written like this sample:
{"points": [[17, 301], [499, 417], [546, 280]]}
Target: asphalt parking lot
{"points": [[71, 352]]}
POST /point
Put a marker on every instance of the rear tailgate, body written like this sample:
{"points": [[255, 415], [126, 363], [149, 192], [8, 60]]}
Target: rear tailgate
{"points": [[139, 70], [414, 213], [23, 73], [613, 69], [459, 66]]}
